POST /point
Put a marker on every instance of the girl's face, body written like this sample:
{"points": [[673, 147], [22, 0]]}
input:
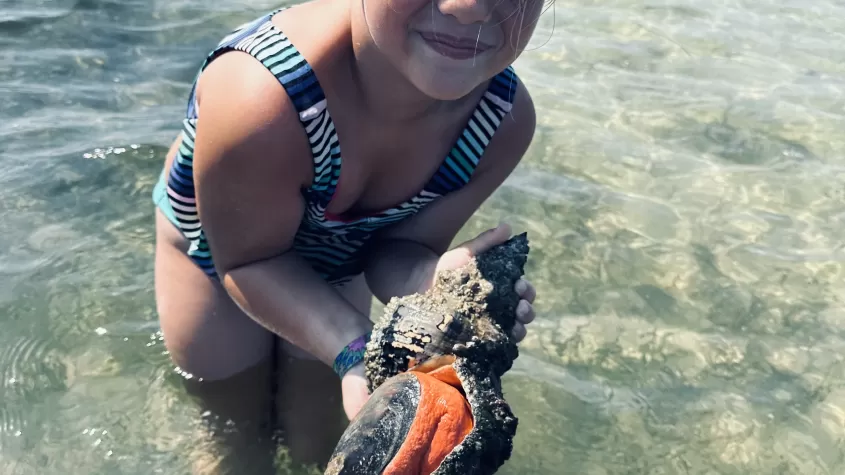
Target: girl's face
{"points": [[446, 48]]}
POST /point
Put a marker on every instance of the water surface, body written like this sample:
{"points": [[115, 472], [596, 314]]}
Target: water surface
{"points": [[684, 198]]}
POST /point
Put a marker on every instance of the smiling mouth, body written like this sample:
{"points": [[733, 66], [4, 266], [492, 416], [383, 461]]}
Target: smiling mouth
{"points": [[453, 47]]}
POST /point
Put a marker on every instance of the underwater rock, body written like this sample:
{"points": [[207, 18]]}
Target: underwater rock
{"points": [[434, 366]]}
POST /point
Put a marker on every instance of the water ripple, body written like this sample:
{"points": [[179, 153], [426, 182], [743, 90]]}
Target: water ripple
{"points": [[30, 369]]}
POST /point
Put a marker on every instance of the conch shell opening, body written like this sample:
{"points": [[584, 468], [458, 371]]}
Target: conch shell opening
{"points": [[444, 419]]}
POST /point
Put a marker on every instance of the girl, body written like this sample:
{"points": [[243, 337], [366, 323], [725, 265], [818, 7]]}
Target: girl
{"points": [[331, 151]]}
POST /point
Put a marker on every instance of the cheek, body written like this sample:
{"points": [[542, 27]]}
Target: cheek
{"points": [[390, 20], [520, 22], [396, 14], [405, 8]]}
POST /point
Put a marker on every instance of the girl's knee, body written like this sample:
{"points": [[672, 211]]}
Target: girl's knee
{"points": [[206, 334], [217, 358]]}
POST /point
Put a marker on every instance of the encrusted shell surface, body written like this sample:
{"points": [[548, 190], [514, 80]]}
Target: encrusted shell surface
{"points": [[490, 442], [470, 307]]}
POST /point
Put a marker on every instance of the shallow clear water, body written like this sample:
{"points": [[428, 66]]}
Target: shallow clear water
{"points": [[684, 196]]}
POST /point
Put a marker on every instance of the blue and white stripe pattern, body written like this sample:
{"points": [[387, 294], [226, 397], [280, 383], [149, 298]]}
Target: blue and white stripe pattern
{"points": [[333, 246]]}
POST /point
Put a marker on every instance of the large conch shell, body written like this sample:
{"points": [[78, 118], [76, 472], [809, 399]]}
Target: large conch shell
{"points": [[434, 366]]}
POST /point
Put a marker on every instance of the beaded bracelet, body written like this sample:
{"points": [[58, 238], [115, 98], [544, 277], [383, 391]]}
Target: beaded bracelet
{"points": [[351, 355]]}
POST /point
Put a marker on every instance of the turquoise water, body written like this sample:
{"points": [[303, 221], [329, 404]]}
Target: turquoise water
{"points": [[684, 198]]}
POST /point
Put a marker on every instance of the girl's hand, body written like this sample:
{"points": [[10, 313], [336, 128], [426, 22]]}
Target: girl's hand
{"points": [[461, 255], [354, 390]]}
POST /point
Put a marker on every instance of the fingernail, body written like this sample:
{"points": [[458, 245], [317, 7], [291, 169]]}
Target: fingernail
{"points": [[521, 286]]}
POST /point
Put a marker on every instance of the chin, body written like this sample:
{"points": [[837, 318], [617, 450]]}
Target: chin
{"points": [[446, 78], [444, 85], [441, 91]]}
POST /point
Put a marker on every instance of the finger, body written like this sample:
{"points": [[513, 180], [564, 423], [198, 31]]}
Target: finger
{"points": [[487, 239], [519, 332], [525, 290], [524, 312]]}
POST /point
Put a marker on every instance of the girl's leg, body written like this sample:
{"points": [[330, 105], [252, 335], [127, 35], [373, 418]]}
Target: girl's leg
{"points": [[209, 337], [241, 363]]}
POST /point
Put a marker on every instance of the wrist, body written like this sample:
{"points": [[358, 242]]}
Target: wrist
{"points": [[351, 355], [357, 370]]}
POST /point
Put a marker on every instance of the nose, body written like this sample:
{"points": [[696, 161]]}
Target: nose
{"points": [[467, 12]]}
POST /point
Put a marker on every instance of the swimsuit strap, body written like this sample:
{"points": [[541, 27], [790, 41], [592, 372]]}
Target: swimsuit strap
{"points": [[272, 48], [462, 160]]}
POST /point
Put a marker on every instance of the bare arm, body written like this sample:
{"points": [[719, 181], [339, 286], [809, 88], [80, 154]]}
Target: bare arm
{"points": [[252, 160], [404, 258]]}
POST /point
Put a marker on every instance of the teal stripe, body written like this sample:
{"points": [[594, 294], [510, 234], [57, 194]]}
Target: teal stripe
{"points": [[456, 169], [184, 152], [482, 119], [286, 65], [280, 57], [183, 163], [480, 131], [259, 42], [479, 149], [198, 253], [188, 140], [463, 147], [464, 161], [273, 50], [189, 126], [322, 165]]}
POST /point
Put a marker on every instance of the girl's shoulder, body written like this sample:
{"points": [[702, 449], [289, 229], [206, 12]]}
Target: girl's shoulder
{"points": [[259, 85], [266, 53], [244, 114]]}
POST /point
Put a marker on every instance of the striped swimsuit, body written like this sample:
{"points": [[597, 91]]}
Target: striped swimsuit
{"points": [[333, 246]]}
